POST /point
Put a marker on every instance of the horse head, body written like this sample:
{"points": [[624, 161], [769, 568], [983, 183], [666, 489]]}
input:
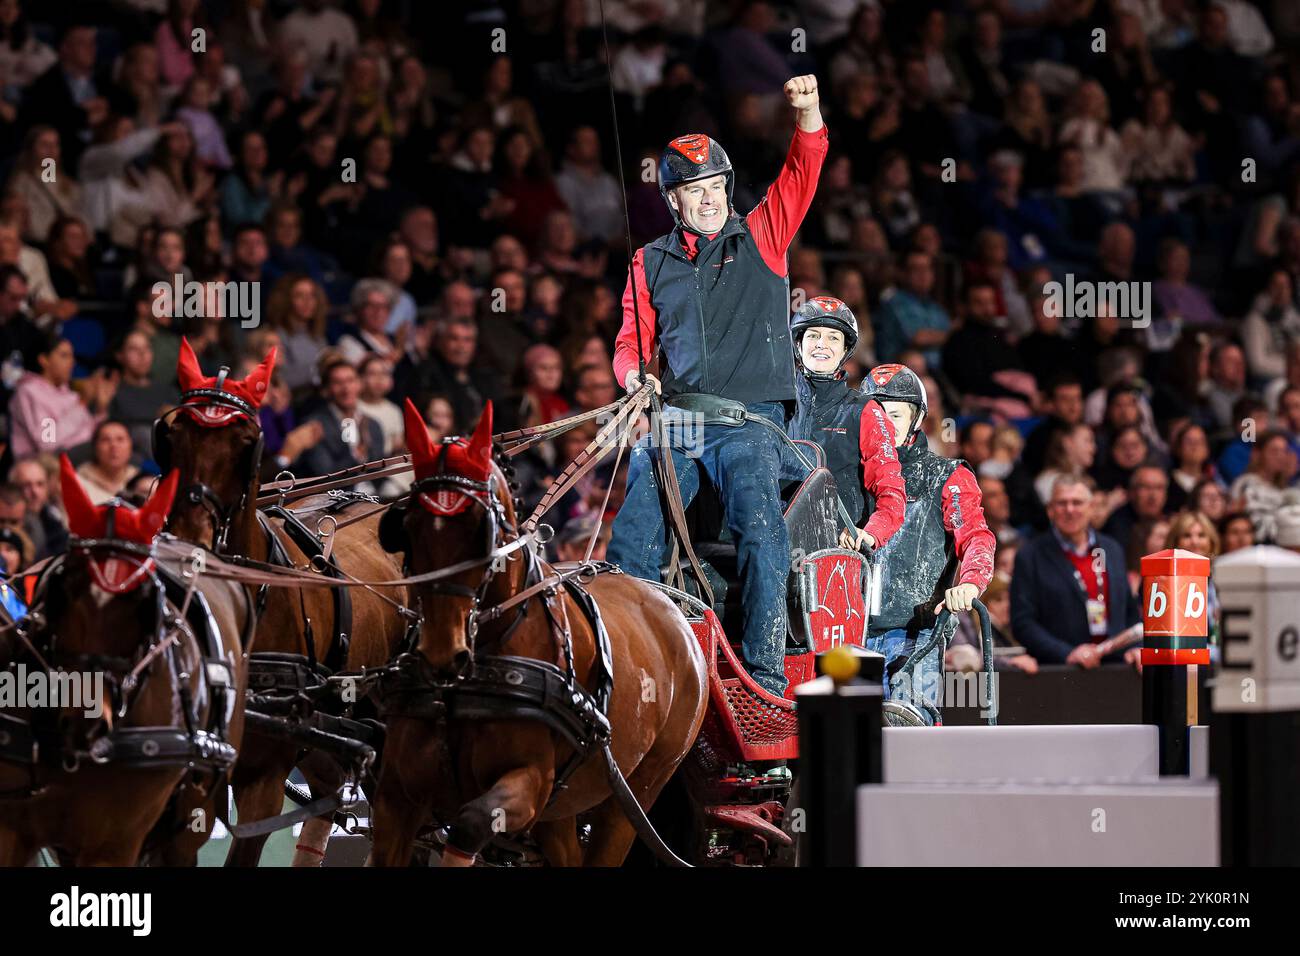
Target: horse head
{"points": [[214, 440], [100, 606], [459, 510]]}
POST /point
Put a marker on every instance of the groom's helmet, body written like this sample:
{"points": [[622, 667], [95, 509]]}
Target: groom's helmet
{"points": [[824, 311], [898, 383]]}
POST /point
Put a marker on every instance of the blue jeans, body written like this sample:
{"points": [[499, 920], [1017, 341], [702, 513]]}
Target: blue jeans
{"points": [[896, 645], [744, 465]]}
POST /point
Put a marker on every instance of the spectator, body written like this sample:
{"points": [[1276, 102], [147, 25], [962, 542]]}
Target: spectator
{"points": [[70, 95], [1070, 452], [1158, 152], [1148, 496], [997, 509], [1190, 463], [594, 387], [1063, 405], [45, 523], [70, 271], [45, 414], [45, 182], [543, 377], [247, 192], [376, 382], [347, 436], [1127, 451], [910, 318], [1180, 302], [195, 112], [296, 309], [525, 181], [1259, 491], [326, 36], [591, 193], [394, 266], [176, 187], [1065, 597], [1087, 126], [1236, 531], [174, 40], [1250, 419], [114, 203], [1227, 383], [1209, 498], [372, 303], [979, 360], [1271, 328], [449, 369], [139, 400], [137, 94], [23, 57], [966, 652], [109, 469], [1029, 224]]}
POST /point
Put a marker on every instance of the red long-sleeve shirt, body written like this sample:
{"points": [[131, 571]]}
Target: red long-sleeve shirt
{"points": [[882, 475], [963, 517], [773, 224]]}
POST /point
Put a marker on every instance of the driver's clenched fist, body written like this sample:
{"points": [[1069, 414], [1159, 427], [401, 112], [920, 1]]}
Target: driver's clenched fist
{"points": [[801, 91]]}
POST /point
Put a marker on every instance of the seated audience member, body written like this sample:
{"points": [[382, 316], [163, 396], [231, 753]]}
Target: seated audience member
{"points": [[1270, 327], [1252, 419], [297, 309], [1236, 531], [347, 435], [44, 522], [15, 555], [1069, 590], [45, 415], [42, 179], [376, 382], [1259, 492], [543, 376], [1189, 449], [1070, 452], [139, 400], [1148, 495], [1210, 498], [372, 303], [1126, 451], [911, 318], [1147, 537], [449, 368], [70, 267], [109, 469]]}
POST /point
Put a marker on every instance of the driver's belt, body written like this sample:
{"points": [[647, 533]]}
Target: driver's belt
{"points": [[716, 410]]}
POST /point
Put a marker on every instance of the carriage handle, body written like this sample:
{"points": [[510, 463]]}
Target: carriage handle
{"points": [[937, 638]]}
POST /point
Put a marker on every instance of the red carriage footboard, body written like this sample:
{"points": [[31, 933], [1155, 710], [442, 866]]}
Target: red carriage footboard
{"points": [[745, 722]]}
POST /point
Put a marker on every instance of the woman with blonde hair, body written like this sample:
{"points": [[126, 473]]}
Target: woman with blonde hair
{"points": [[1194, 532], [297, 308], [43, 180]]}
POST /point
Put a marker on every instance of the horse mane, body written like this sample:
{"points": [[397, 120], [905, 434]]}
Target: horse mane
{"points": [[503, 462]]}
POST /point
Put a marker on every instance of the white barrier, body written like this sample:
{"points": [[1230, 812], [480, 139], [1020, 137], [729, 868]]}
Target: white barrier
{"points": [[1075, 752], [1161, 823]]}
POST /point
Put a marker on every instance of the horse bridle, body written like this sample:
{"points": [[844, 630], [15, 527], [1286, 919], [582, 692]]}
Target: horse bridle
{"points": [[445, 494], [105, 740], [223, 515]]}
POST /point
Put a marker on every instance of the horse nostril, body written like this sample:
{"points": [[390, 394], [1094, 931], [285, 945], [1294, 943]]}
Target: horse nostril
{"points": [[460, 663]]}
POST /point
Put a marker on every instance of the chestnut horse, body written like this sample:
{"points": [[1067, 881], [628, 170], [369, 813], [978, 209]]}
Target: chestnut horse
{"points": [[214, 440], [168, 716], [495, 772]]}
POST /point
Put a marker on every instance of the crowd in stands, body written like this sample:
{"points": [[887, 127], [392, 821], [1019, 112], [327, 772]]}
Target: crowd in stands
{"points": [[424, 200]]}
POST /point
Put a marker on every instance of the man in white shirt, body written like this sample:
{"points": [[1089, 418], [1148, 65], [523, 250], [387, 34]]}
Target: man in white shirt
{"points": [[327, 36], [590, 192]]}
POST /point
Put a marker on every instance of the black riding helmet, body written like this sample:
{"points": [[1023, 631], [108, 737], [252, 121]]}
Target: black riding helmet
{"points": [[691, 157], [897, 383], [824, 311]]}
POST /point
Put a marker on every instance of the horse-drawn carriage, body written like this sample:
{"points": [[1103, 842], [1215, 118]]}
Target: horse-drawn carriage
{"points": [[454, 656]]}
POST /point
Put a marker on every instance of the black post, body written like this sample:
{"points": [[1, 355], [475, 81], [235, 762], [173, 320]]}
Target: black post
{"points": [[1164, 703], [839, 749]]}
